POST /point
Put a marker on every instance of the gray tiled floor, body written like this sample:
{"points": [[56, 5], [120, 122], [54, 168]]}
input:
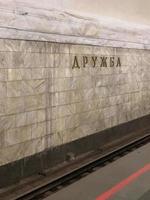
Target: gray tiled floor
{"points": [[88, 188]]}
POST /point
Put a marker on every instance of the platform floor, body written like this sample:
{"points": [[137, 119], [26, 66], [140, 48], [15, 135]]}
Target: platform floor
{"points": [[127, 178]]}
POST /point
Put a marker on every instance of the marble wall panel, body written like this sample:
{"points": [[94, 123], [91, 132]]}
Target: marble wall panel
{"points": [[44, 102]]}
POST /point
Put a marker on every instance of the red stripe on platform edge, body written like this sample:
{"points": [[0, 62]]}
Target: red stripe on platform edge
{"points": [[109, 193]]}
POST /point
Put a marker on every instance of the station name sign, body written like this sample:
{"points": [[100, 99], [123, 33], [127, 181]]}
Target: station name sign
{"points": [[96, 61]]}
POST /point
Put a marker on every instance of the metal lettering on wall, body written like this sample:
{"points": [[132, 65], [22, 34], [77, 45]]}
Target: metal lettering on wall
{"points": [[95, 61]]}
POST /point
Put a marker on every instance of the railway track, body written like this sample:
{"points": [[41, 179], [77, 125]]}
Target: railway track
{"points": [[78, 173]]}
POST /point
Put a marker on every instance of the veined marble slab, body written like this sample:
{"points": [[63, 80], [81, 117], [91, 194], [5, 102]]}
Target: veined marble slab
{"points": [[19, 21]]}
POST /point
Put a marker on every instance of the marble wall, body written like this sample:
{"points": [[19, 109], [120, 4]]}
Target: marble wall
{"points": [[44, 102], [136, 11]]}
